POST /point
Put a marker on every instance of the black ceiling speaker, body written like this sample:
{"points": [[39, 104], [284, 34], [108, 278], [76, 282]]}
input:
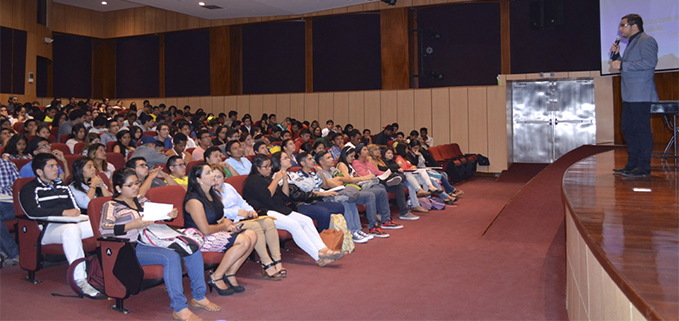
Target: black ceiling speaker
{"points": [[390, 2]]}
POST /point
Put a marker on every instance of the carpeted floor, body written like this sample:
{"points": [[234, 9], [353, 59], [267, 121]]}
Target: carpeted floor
{"points": [[437, 268]]}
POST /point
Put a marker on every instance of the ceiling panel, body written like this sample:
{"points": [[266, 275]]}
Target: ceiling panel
{"points": [[230, 8]]}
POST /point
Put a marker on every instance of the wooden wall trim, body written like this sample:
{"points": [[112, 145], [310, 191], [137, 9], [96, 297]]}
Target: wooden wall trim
{"points": [[394, 48], [505, 39]]}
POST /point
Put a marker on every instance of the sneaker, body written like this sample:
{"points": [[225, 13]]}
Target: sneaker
{"points": [[457, 192], [393, 181], [390, 224], [409, 216], [377, 232], [370, 237], [87, 289], [358, 238]]}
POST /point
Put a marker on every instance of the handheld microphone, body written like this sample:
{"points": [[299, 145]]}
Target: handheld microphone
{"points": [[613, 54]]}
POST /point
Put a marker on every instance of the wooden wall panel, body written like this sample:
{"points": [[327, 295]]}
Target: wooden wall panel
{"points": [[405, 110], [84, 21], [230, 103], [206, 104], [388, 108], [269, 106], [148, 24], [459, 119], [282, 106], [311, 108], [217, 104], [256, 108], [325, 107], [171, 21], [496, 98], [297, 107], [478, 122], [341, 108], [372, 111], [423, 110], [97, 25], [141, 20], [440, 108], [605, 120], [356, 109], [394, 48], [242, 105]]}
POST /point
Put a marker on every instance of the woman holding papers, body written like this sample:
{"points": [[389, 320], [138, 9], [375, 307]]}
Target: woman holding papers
{"points": [[121, 217], [203, 209], [416, 158], [85, 184], [238, 210], [267, 192]]}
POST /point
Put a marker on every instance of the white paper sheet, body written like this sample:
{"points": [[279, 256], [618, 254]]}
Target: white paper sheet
{"points": [[162, 231], [385, 175], [66, 219], [156, 211]]}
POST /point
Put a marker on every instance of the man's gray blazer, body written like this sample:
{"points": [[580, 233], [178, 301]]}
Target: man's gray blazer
{"points": [[637, 69]]}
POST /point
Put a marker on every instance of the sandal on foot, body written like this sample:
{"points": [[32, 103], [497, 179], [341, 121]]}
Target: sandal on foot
{"points": [[207, 307], [191, 317], [283, 272]]}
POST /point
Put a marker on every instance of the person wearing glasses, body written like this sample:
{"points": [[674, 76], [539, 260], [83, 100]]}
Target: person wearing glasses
{"points": [[121, 217], [150, 178], [177, 168], [38, 146], [637, 68]]}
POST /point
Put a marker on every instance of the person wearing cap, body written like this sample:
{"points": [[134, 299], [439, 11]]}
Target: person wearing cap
{"points": [[149, 151]]}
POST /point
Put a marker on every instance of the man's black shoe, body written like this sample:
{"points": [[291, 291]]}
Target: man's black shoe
{"points": [[622, 170], [637, 173]]}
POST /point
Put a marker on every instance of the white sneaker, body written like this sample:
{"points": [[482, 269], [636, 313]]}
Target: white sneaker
{"points": [[364, 234], [87, 289], [358, 238]]}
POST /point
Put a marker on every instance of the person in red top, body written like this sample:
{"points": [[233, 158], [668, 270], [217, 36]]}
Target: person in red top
{"points": [[363, 166], [304, 137]]}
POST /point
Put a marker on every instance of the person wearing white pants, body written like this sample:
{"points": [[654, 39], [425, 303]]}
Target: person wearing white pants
{"points": [[267, 195], [46, 196]]}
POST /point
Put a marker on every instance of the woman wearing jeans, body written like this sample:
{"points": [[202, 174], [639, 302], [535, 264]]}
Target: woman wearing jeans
{"points": [[267, 191], [121, 217]]}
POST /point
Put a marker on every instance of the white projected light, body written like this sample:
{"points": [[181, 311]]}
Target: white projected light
{"points": [[661, 21]]}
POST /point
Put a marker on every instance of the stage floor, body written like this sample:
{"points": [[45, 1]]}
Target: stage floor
{"points": [[632, 227]]}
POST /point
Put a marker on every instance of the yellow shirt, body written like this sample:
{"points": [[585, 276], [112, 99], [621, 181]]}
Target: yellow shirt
{"points": [[183, 181], [48, 119]]}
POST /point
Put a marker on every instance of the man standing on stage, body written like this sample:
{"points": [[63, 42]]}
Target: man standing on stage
{"points": [[637, 67]]}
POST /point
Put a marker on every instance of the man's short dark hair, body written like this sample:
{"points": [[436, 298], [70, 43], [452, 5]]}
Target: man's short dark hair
{"points": [[208, 152], [276, 129], [319, 156], [75, 114], [179, 137], [634, 19], [424, 129], [119, 116], [229, 144], [231, 132], [145, 118], [172, 161], [200, 133], [305, 131], [111, 122], [272, 116], [233, 113], [100, 121], [331, 136], [160, 126], [301, 156], [414, 133], [389, 128], [354, 132], [329, 121], [401, 134], [39, 162], [32, 146], [132, 162], [366, 131]]}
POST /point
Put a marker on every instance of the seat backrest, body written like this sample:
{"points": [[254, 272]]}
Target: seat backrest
{"points": [[436, 153], [170, 194], [109, 146], [94, 212], [79, 148], [62, 147], [2, 149], [456, 150], [54, 131], [72, 158], [190, 150], [116, 159], [447, 151], [238, 182], [106, 181], [390, 144], [191, 163], [17, 126], [20, 162], [294, 169], [250, 157], [16, 188], [51, 138], [64, 138], [152, 133]]}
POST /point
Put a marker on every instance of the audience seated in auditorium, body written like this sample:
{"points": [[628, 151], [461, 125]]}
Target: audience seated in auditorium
{"points": [[47, 195], [263, 192], [77, 116], [203, 209], [38, 146], [121, 217], [150, 177], [151, 150], [416, 158]]}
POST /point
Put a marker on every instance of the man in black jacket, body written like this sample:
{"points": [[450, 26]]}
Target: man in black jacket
{"points": [[46, 195], [384, 136]]}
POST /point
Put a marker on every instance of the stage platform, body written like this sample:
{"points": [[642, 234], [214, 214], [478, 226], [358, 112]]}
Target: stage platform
{"points": [[622, 238]]}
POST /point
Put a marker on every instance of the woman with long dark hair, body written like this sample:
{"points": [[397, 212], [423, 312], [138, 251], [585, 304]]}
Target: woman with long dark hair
{"points": [[16, 147], [85, 184], [135, 135], [203, 210], [77, 136], [97, 153], [263, 192], [121, 217], [123, 144]]}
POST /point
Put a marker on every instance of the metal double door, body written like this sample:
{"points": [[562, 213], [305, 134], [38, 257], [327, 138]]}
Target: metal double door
{"points": [[551, 118]]}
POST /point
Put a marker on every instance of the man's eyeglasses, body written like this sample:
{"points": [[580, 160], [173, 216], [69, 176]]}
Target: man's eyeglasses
{"points": [[622, 25], [143, 165], [182, 164], [48, 145]]}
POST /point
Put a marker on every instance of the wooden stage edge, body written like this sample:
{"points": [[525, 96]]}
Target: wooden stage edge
{"points": [[622, 241]]}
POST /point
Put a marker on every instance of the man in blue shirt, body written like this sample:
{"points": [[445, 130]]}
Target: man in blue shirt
{"points": [[40, 145]]}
